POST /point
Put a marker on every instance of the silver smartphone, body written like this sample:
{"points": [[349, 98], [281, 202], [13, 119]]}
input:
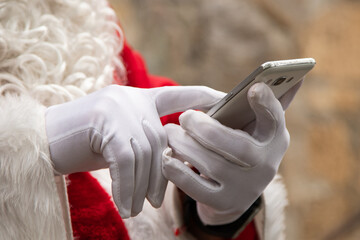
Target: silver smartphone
{"points": [[234, 110]]}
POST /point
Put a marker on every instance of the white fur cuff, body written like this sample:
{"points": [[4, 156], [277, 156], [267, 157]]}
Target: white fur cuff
{"points": [[29, 204]]}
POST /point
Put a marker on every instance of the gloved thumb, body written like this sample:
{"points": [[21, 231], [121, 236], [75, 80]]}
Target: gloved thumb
{"points": [[181, 98], [268, 111]]}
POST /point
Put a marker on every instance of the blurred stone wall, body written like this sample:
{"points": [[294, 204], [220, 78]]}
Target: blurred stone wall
{"points": [[217, 43]]}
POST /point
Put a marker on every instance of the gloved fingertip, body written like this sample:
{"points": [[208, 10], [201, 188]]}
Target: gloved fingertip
{"points": [[166, 155], [185, 115], [170, 166], [155, 201], [191, 120], [124, 213], [166, 161], [256, 90], [259, 93], [136, 212]]}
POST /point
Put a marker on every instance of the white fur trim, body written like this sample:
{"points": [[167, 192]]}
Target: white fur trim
{"points": [[270, 221], [29, 204], [58, 50]]}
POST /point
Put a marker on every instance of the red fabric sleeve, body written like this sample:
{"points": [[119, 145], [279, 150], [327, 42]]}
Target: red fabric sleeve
{"points": [[137, 75], [93, 214]]}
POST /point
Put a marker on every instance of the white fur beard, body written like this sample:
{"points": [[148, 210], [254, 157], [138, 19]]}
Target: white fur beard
{"points": [[58, 50]]}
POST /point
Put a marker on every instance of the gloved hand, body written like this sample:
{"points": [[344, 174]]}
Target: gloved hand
{"points": [[119, 127], [235, 165]]}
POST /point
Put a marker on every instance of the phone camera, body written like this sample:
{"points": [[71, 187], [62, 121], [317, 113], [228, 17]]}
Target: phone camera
{"points": [[279, 81]]}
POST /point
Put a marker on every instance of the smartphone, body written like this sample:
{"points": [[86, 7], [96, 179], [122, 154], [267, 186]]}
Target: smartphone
{"points": [[234, 110]]}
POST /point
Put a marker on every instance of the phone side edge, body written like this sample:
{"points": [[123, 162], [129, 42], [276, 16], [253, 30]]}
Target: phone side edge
{"points": [[235, 90]]}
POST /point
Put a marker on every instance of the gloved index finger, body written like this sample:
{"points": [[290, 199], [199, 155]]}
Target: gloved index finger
{"points": [[201, 189], [180, 98], [234, 145]]}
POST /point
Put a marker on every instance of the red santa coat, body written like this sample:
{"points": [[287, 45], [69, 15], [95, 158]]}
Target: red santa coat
{"points": [[35, 204]]}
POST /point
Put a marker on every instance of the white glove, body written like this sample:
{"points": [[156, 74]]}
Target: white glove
{"points": [[235, 165], [119, 127]]}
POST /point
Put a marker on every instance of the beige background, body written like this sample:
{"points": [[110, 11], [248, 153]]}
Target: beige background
{"points": [[218, 42]]}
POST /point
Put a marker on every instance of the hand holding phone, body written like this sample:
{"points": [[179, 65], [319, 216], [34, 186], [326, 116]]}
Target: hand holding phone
{"points": [[235, 166]]}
